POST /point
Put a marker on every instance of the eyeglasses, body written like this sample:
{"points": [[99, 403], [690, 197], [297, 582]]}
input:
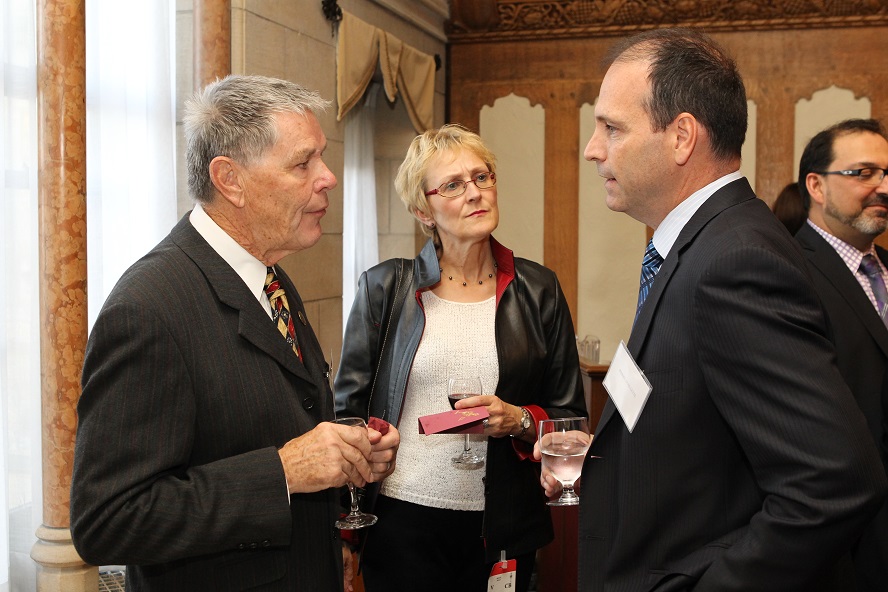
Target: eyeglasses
{"points": [[456, 188], [871, 176]]}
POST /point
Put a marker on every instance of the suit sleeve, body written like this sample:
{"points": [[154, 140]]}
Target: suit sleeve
{"points": [[770, 372], [136, 496]]}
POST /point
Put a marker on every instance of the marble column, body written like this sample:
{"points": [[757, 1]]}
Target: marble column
{"points": [[212, 41], [61, 115]]}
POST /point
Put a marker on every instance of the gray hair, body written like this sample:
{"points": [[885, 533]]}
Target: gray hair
{"points": [[235, 117]]}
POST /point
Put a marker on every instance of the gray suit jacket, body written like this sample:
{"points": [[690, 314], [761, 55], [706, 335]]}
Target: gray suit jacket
{"points": [[188, 391], [750, 467], [861, 341]]}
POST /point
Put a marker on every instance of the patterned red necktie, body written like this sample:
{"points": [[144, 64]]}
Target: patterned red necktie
{"points": [[280, 310]]}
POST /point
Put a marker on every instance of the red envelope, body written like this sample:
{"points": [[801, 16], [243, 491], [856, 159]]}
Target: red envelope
{"points": [[380, 425], [459, 421]]}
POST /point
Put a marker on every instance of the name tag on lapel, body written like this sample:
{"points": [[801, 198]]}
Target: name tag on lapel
{"points": [[627, 386]]}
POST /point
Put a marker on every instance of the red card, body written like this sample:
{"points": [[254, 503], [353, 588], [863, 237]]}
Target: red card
{"points": [[459, 421], [380, 425]]}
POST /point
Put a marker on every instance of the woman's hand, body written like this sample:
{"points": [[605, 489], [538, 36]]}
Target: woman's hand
{"points": [[504, 419]]}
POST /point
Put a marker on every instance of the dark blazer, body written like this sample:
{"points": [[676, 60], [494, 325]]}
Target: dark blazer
{"points": [[861, 341], [188, 391], [750, 467]]}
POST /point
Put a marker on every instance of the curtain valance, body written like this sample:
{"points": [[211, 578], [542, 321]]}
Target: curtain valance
{"points": [[361, 47]]}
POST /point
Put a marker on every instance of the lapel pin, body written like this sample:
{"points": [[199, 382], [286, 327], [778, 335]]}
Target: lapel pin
{"points": [[301, 317]]}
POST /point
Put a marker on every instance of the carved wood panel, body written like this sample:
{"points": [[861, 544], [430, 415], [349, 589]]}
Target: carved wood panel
{"points": [[491, 20], [780, 67]]}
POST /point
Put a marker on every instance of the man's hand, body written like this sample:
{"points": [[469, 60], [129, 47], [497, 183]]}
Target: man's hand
{"points": [[383, 449], [348, 568], [330, 455], [551, 485]]}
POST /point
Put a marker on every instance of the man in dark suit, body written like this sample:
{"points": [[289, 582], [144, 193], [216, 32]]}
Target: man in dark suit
{"points": [[843, 184], [205, 457], [748, 467]]}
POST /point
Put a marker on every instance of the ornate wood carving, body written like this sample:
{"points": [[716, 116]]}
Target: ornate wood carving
{"points": [[516, 19]]}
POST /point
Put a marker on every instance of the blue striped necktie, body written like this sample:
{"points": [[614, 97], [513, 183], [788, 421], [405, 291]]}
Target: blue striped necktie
{"points": [[650, 265], [873, 271]]}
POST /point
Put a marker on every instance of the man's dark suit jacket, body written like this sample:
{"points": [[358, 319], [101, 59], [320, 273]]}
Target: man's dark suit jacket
{"points": [[188, 391], [861, 341], [750, 467]]}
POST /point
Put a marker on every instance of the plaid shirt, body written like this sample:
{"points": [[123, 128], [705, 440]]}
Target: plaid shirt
{"points": [[852, 257]]}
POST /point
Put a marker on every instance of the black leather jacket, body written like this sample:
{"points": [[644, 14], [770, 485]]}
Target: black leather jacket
{"points": [[538, 365]]}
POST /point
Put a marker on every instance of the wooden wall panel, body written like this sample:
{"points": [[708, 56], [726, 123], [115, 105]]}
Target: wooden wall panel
{"points": [[782, 60]]}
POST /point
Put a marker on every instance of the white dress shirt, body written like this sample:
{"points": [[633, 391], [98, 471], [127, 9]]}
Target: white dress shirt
{"points": [[667, 232], [250, 269]]}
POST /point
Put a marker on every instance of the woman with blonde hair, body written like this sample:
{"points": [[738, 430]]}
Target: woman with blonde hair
{"points": [[465, 306]]}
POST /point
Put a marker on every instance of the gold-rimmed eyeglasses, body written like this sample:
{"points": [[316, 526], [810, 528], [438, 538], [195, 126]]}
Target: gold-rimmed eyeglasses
{"points": [[871, 176], [457, 187]]}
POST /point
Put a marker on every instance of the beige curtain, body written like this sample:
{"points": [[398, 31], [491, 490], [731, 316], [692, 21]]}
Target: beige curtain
{"points": [[405, 70]]}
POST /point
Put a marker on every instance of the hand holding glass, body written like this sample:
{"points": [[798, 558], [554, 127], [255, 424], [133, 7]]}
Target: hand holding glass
{"points": [[356, 518], [563, 446], [463, 388]]}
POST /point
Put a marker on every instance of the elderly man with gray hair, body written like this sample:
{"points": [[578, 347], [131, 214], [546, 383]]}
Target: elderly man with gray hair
{"points": [[205, 457]]}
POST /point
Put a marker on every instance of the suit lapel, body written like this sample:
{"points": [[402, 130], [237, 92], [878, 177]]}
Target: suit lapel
{"points": [[313, 361], [829, 263], [254, 324], [729, 195]]}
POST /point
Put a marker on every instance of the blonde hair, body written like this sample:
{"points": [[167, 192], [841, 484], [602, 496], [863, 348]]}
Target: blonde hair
{"points": [[410, 182]]}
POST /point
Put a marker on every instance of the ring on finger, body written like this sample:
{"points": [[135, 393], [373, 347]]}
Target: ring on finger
{"points": [[485, 423]]}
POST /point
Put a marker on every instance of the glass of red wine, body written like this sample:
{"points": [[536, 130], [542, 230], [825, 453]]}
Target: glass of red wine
{"points": [[463, 388]]}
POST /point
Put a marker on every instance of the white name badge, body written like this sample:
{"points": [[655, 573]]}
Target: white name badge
{"points": [[627, 386], [502, 576]]}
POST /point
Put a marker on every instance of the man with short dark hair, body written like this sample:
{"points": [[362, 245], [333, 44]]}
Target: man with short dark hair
{"points": [[842, 181], [206, 457], [747, 466]]}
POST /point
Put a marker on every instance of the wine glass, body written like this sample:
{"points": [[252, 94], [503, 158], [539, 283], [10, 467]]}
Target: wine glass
{"points": [[462, 388], [356, 518], [563, 445]]}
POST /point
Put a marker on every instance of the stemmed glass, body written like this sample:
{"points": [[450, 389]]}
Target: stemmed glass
{"points": [[356, 518], [563, 445], [463, 388]]}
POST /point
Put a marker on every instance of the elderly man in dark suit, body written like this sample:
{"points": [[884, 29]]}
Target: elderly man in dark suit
{"points": [[842, 181], [205, 457], [749, 466]]}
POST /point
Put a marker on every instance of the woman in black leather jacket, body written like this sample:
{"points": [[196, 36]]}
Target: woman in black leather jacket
{"points": [[465, 305]]}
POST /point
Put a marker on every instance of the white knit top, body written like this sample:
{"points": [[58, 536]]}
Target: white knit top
{"points": [[458, 340]]}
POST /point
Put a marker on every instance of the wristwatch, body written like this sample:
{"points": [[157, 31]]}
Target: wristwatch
{"points": [[526, 421]]}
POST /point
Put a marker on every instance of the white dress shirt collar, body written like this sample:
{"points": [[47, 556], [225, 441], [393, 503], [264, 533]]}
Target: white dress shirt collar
{"points": [[668, 231], [251, 270]]}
